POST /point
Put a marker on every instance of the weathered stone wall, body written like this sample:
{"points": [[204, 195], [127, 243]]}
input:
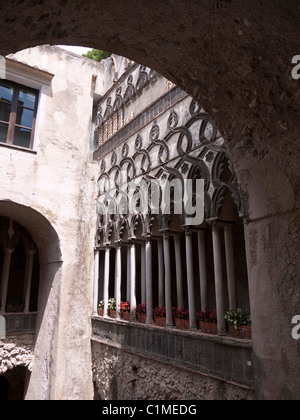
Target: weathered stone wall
{"points": [[122, 375], [50, 191]]}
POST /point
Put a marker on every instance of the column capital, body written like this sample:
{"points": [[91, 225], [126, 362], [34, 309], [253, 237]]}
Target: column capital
{"points": [[9, 251], [214, 221], [31, 251], [147, 238], [188, 232]]}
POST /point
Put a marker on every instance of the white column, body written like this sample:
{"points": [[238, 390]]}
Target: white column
{"points": [[149, 290], [161, 274], [128, 292], [132, 282], [5, 277], [118, 279], [190, 279], [28, 278], [231, 280], [219, 282], [168, 284], [246, 235], [143, 273], [180, 300], [202, 269], [96, 281], [106, 280]]}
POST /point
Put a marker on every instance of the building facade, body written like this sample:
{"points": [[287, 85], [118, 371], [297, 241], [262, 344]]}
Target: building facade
{"points": [[151, 135], [80, 144]]}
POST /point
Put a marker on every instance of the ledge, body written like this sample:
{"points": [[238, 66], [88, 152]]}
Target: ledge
{"points": [[20, 323], [18, 148], [224, 358]]}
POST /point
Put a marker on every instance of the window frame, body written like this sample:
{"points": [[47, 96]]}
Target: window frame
{"points": [[12, 124]]}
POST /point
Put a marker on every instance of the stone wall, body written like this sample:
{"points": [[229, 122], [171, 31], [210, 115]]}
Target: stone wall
{"points": [[50, 191], [121, 375], [132, 361]]}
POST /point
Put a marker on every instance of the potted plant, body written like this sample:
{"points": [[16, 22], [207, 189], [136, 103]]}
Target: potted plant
{"points": [[208, 322], [141, 312], [125, 311], [101, 308], [181, 318], [112, 307], [240, 325], [160, 316], [15, 306]]}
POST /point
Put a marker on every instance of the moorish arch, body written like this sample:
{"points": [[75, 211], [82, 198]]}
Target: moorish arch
{"points": [[235, 59]]}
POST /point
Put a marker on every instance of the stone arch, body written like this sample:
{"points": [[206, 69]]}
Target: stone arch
{"points": [[39, 227], [48, 244]]}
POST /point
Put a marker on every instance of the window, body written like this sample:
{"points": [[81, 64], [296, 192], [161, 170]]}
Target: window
{"points": [[18, 107]]}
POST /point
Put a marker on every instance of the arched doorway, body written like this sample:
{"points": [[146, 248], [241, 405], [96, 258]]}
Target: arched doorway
{"points": [[29, 229], [20, 271], [13, 384]]}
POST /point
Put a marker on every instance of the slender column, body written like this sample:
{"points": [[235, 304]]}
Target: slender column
{"points": [[96, 281], [168, 284], [219, 283], [132, 282], [106, 280], [190, 279], [202, 269], [246, 234], [118, 278], [180, 300], [128, 291], [161, 273], [149, 290], [231, 280], [28, 279], [143, 274], [5, 277]]}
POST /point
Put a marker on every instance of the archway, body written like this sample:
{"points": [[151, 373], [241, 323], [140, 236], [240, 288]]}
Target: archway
{"points": [[13, 384], [48, 247], [245, 84]]}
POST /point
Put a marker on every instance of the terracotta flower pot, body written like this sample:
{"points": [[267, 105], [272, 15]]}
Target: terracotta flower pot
{"points": [[209, 327], [14, 309], [182, 324], [126, 316], [242, 332], [141, 318], [160, 321], [100, 312], [113, 314]]}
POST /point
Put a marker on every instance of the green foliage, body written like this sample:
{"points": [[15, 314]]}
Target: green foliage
{"points": [[238, 318], [112, 304], [97, 55]]}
